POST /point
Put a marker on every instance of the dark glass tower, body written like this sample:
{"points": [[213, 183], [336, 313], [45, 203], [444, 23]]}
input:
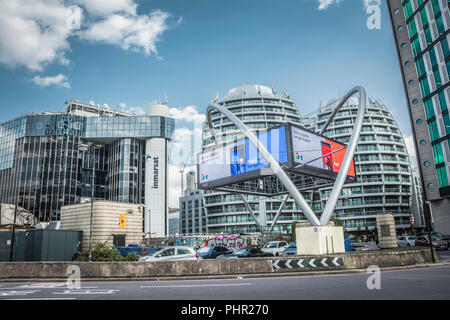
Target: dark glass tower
{"points": [[42, 170]]}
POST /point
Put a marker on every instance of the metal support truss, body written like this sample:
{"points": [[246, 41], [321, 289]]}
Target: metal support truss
{"points": [[281, 181], [250, 210], [278, 213]]}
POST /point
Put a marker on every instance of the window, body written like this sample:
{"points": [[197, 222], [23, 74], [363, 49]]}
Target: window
{"points": [[416, 46], [434, 133], [442, 177], [408, 9], [436, 7], [425, 87], [445, 47], [437, 78], [433, 57], [420, 67], [442, 101], [438, 154], [412, 28], [440, 25]]}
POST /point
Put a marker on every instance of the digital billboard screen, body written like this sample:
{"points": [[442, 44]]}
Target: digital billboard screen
{"points": [[240, 160], [296, 148], [318, 155]]}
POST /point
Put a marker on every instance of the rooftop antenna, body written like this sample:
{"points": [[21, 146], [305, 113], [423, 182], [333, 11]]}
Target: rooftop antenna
{"points": [[286, 94]]}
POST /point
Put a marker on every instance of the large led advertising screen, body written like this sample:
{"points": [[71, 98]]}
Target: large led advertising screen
{"points": [[317, 155], [240, 160], [296, 148]]}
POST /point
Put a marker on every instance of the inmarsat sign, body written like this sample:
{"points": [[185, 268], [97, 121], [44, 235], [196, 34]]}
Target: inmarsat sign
{"points": [[296, 148]]}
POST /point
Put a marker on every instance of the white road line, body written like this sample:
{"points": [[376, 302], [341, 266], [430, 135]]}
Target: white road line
{"points": [[43, 299], [201, 285]]}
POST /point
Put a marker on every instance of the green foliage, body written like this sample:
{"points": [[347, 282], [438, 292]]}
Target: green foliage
{"points": [[337, 222], [104, 252]]}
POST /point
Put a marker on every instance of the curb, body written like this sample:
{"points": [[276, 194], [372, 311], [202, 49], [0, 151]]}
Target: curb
{"points": [[237, 276]]}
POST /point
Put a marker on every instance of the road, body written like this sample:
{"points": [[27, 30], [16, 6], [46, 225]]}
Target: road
{"points": [[419, 283]]}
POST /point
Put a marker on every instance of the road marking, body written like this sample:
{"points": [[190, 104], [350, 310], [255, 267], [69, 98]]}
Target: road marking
{"points": [[87, 292], [201, 285], [16, 293], [43, 299]]}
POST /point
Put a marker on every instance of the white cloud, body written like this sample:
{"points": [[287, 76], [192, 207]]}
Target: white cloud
{"points": [[60, 80], [324, 4], [409, 142], [105, 8], [33, 33], [367, 3], [175, 184], [129, 32], [188, 114]]}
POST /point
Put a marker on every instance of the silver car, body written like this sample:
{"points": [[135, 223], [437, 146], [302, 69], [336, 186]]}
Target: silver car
{"points": [[172, 254], [406, 241]]}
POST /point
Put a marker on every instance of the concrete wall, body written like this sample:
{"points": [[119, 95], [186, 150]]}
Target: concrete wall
{"points": [[105, 221], [440, 211], [203, 267]]}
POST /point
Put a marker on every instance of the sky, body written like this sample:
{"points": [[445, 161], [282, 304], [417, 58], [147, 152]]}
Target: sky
{"points": [[131, 53]]}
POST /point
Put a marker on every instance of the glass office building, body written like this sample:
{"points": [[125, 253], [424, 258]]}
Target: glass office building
{"points": [[421, 34], [41, 168]]}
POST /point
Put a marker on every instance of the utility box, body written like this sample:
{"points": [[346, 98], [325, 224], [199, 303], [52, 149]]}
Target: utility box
{"points": [[387, 235], [319, 240]]}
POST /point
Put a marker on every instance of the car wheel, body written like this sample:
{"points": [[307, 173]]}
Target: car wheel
{"points": [[277, 254]]}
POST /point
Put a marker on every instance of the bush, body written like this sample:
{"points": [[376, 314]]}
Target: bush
{"points": [[103, 252]]}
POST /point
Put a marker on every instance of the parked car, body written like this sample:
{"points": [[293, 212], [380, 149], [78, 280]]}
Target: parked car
{"points": [[291, 250], [437, 243], [130, 249], [275, 247], [172, 254], [212, 252], [248, 252], [406, 241]]}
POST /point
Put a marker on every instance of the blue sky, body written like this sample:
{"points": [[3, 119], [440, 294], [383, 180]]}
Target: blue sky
{"points": [[131, 52], [209, 46]]}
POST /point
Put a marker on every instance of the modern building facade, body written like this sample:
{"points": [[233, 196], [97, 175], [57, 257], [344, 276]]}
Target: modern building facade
{"points": [[192, 217], [260, 108], [383, 171], [42, 169], [421, 34]]}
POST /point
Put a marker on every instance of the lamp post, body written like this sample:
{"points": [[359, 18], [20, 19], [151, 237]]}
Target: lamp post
{"points": [[83, 148]]}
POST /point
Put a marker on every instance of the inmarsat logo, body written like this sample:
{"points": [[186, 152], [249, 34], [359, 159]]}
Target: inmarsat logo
{"points": [[148, 157], [298, 156], [204, 177]]}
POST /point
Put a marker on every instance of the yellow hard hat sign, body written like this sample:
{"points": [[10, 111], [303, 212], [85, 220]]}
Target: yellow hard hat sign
{"points": [[122, 220]]}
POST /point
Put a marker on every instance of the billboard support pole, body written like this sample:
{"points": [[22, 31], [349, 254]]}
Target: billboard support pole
{"points": [[278, 213], [340, 180], [274, 165], [249, 209]]}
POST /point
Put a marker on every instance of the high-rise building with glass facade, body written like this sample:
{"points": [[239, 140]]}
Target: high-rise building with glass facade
{"points": [[42, 169], [421, 33], [383, 172]]}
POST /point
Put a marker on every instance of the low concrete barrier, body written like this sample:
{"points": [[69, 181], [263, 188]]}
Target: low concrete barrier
{"points": [[42, 270]]}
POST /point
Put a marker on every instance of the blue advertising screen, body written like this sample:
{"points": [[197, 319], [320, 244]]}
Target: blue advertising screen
{"points": [[244, 157]]}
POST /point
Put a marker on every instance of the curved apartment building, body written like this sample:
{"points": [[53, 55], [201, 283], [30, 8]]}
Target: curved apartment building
{"points": [[260, 108], [382, 167]]}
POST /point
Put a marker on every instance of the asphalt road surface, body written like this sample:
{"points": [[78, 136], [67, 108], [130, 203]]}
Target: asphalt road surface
{"points": [[420, 283]]}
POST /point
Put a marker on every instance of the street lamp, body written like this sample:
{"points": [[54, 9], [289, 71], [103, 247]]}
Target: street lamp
{"points": [[83, 148]]}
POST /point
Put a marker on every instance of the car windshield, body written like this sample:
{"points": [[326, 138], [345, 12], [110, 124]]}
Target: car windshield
{"points": [[411, 237], [240, 252], [271, 245], [204, 250], [436, 237], [292, 245]]}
